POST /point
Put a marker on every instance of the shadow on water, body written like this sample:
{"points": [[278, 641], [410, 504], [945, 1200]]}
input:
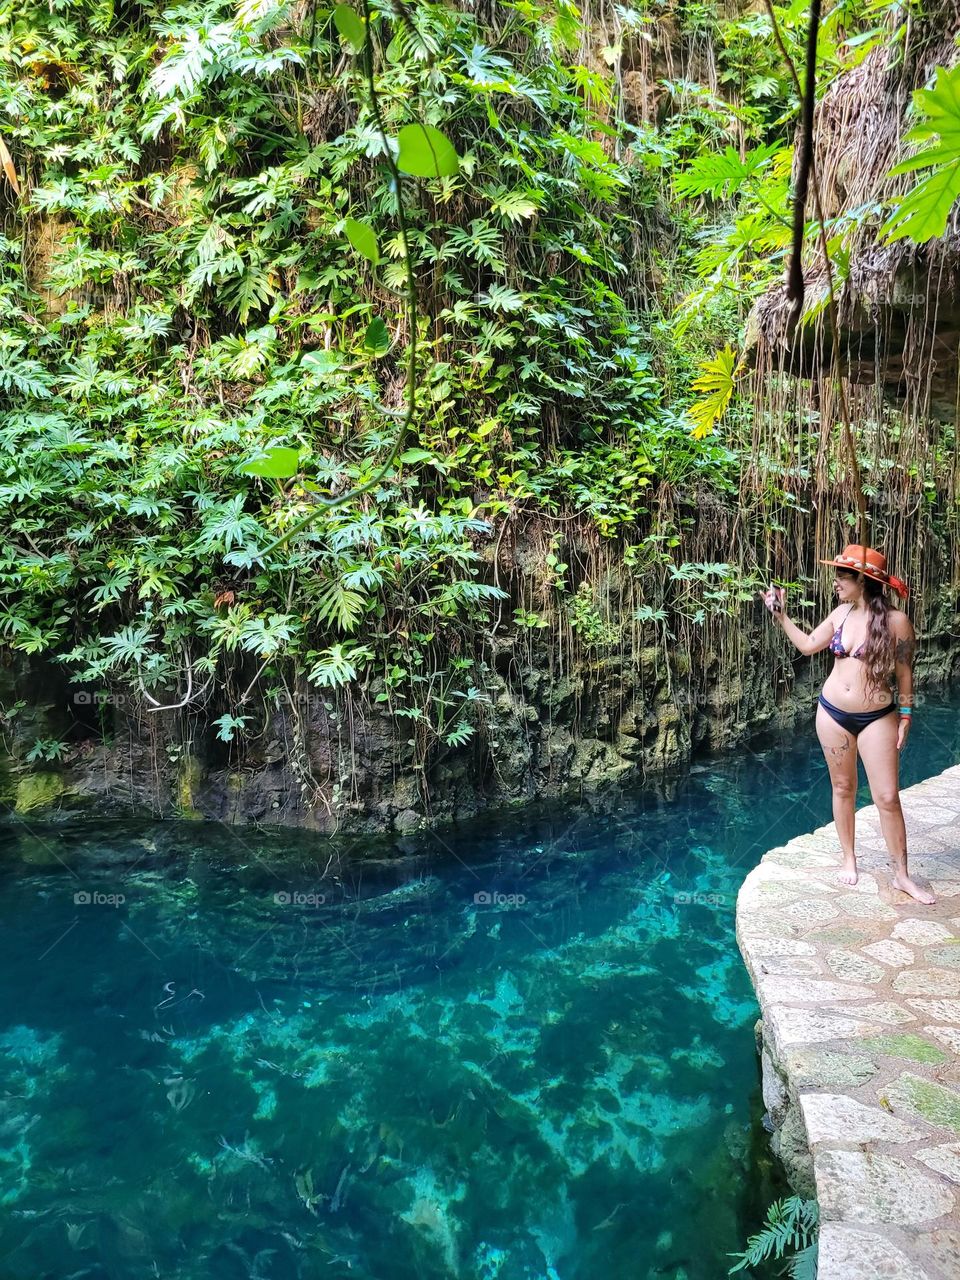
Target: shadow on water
{"points": [[517, 1047]]}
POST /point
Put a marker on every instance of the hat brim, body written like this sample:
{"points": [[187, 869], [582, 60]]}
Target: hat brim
{"points": [[888, 579]]}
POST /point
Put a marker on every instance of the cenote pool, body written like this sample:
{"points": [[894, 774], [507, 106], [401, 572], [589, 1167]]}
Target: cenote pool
{"points": [[522, 1048]]}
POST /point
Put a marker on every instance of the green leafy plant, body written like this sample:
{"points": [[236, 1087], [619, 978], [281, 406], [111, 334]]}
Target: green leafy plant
{"points": [[326, 299], [228, 726], [922, 214], [791, 1224], [716, 381], [528, 619], [586, 620], [48, 749], [337, 665]]}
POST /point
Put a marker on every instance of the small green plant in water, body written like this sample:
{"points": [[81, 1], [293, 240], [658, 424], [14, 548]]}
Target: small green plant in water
{"points": [[793, 1224]]}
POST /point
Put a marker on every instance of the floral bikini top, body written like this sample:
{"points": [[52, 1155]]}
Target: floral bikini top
{"points": [[836, 644]]}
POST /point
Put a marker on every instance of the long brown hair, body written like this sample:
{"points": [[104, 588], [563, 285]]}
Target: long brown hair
{"points": [[879, 646]]}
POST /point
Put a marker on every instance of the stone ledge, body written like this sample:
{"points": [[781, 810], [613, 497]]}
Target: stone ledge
{"points": [[859, 991]]}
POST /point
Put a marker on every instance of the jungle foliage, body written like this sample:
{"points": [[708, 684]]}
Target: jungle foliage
{"points": [[205, 323]]}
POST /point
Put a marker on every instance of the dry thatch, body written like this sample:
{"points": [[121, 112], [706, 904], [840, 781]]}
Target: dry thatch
{"points": [[899, 307], [899, 344]]}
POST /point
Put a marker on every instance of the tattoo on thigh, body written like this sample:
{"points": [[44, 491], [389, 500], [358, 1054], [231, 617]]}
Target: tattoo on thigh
{"points": [[840, 752]]}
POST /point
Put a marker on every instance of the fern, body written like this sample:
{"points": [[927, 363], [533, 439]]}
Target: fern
{"points": [[791, 1223]]}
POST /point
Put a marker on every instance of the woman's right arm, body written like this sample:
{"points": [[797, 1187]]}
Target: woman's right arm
{"points": [[817, 640]]}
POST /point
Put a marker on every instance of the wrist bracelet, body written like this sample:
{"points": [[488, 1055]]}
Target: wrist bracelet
{"points": [[905, 711]]}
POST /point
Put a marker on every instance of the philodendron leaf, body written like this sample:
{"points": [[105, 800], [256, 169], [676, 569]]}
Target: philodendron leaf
{"points": [[922, 213], [278, 463], [426, 153], [322, 361], [351, 27], [377, 337], [717, 379], [363, 239]]}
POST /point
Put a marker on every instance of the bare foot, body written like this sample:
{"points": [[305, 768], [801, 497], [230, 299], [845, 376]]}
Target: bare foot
{"points": [[906, 885], [848, 874]]}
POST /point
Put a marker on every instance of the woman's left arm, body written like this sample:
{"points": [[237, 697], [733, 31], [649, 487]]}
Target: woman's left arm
{"points": [[904, 648]]}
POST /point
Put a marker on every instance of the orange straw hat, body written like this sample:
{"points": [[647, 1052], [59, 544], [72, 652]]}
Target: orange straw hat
{"points": [[871, 564]]}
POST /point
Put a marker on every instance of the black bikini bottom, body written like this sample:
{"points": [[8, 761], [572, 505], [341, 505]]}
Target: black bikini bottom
{"points": [[854, 721]]}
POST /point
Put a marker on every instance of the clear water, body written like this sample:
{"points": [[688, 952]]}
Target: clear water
{"points": [[215, 1078]]}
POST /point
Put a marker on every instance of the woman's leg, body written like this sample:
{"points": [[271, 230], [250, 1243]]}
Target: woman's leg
{"points": [[840, 752], [881, 759]]}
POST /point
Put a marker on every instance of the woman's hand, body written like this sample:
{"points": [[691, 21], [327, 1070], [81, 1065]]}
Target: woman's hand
{"points": [[774, 598], [903, 732]]}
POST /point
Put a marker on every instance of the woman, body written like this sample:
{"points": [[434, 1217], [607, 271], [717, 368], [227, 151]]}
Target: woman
{"points": [[870, 640]]}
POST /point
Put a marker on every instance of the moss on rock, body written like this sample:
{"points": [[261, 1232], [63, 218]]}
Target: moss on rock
{"points": [[188, 780], [908, 1046], [39, 791], [926, 1100]]}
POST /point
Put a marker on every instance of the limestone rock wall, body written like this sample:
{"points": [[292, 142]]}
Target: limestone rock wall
{"points": [[549, 727]]}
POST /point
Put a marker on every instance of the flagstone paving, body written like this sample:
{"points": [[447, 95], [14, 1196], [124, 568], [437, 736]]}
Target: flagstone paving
{"points": [[859, 989]]}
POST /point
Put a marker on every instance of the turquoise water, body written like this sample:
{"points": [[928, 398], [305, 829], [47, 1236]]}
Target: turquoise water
{"points": [[266, 1056]]}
